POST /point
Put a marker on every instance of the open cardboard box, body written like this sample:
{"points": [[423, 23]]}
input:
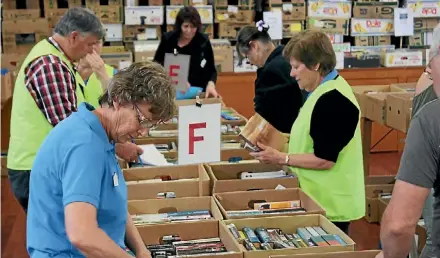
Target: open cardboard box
{"points": [[235, 201], [226, 177], [361, 91], [198, 186], [398, 111], [349, 254], [289, 224], [156, 206], [152, 234], [374, 186], [405, 87], [382, 204], [376, 106]]}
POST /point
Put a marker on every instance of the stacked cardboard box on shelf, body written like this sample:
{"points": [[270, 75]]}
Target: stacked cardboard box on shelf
{"points": [[293, 15]]}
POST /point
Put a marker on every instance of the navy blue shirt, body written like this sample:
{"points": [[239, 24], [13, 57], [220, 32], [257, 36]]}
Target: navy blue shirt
{"points": [[76, 163]]}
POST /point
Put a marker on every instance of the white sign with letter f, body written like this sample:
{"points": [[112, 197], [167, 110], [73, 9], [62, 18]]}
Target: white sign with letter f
{"points": [[199, 132]]}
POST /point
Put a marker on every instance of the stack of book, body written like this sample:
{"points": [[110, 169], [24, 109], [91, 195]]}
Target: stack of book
{"points": [[179, 216], [275, 208], [274, 238], [173, 246]]}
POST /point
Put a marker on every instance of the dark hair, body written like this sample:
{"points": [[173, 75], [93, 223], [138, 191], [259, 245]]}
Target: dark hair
{"points": [[312, 48], [187, 14], [251, 33]]}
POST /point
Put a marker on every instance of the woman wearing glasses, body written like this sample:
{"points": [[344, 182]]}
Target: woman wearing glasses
{"points": [[277, 95], [78, 195]]}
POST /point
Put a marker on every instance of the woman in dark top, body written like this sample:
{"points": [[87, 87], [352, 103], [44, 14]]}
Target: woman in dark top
{"points": [[187, 39], [325, 146], [277, 95]]}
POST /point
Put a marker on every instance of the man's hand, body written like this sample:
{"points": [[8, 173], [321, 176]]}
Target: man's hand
{"points": [[128, 151], [211, 91], [95, 62]]}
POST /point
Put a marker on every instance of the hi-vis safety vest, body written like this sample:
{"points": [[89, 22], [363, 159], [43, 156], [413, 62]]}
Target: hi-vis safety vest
{"points": [[29, 126], [339, 190], [93, 89]]}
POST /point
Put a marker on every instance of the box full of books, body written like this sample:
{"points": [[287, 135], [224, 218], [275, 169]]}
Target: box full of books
{"points": [[249, 176], [186, 209], [266, 203], [287, 235], [167, 182], [205, 239], [347, 254]]}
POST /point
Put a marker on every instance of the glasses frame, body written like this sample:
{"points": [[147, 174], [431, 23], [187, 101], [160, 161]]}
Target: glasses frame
{"points": [[143, 121]]}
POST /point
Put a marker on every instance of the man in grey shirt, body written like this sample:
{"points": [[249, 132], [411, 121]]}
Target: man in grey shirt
{"points": [[419, 172]]}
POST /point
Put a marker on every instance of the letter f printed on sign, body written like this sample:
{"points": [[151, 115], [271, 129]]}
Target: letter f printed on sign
{"points": [[192, 138], [173, 73]]}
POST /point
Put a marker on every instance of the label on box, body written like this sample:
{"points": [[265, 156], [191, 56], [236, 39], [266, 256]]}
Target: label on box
{"points": [[329, 25], [424, 9], [404, 59], [372, 49], [144, 15], [372, 27], [329, 9], [113, 32]]}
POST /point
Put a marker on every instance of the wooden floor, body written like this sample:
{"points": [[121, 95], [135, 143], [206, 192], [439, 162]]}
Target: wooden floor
{"points": [[13, 231]]}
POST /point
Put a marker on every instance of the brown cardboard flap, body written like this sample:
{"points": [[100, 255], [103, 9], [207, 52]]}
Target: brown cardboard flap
{"points": [[154, 206], [151, 234], [350, 254], [289, 224], [234, 201], [398, 110]]}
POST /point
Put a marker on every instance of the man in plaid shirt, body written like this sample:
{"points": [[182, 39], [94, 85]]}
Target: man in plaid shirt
{"points": [[47, 90]]}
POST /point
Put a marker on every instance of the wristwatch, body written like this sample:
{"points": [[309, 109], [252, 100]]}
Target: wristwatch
{"points": [[286, 161]]}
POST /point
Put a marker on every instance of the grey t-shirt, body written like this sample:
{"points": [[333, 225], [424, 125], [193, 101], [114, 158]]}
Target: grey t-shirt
{"points": [[422, 98], [420, 162]]}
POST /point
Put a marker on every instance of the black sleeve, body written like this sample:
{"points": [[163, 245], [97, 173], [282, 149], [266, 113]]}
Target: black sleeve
{"points": [[159, 56], [275, 77], [333, 124], [210, 63]]}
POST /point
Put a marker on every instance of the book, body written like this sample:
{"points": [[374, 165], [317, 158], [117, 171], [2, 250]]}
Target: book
{"points": [[257, 129]]}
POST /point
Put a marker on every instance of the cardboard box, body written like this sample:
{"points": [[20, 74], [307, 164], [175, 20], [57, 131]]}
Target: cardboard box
{"points": [[399, 111], [108, 13], [401, 58], [244, 200], [20, 36], [421, 39], [374, 9], [141, 32], [31, 11], [382, 206], [376, 106], [226, 177], [223, 55], [371, 27], [425, 24], [289, 224], [198, 185], [361, 92], [152, 234], [229, 31], [372, 41], [118, 60], [423, 9], [374, 186], [292, 28], [234, 14], [321, 9], [349, 254], [403, 87], [153, 206], [329, 25], [94, 3], [295, 11]]}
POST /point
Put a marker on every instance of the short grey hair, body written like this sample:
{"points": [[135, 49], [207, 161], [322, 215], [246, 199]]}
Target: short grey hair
{"points": [[434, 49], [82, 20], [143, 82]]}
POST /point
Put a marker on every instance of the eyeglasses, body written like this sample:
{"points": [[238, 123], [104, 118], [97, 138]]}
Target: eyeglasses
{"points": [[144, 122]]}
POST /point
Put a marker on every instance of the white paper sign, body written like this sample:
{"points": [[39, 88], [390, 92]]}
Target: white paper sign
{"points": [[275, 21], [403, 22], [177, 67], [199, 133]]}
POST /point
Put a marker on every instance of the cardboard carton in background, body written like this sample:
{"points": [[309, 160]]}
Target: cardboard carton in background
{"points": [[235, 201], [226, 177], [374, 186], [349, 254]]}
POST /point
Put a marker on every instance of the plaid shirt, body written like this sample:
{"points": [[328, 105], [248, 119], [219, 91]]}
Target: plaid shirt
{"points": [[52, 85]]}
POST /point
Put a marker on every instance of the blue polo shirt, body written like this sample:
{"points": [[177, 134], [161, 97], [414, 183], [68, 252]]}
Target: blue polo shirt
{"points": [[76, 163]]}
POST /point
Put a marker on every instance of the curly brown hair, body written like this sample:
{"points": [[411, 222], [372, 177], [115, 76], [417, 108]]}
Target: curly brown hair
{"points": [[146, 81]]}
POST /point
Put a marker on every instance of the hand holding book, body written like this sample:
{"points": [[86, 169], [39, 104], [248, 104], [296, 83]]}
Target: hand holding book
{"points": [[269, 155]]}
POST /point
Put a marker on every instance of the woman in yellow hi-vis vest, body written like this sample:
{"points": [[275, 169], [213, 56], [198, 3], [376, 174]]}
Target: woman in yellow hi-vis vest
{"points": [[96, 75], [325, 148]]}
